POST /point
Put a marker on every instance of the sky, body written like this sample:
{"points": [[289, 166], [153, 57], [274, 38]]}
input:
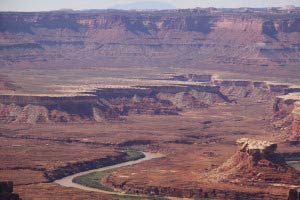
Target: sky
{"points": [[44, 5]]}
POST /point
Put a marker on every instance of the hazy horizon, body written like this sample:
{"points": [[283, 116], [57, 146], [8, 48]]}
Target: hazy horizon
{"points": [[38, 5]]}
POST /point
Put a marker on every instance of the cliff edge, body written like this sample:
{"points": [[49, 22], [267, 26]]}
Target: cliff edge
{"points": [[256, 163]]}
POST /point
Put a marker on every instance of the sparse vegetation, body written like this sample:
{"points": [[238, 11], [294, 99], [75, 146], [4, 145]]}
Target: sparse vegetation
{"points": [[134, 155], [94, 179]]}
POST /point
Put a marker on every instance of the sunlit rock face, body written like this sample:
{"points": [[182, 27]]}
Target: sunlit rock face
{"points": [[108, 104], [256, 147], [287, 116], [148, 38], [256, 163], [295, 132], [47, 109]]}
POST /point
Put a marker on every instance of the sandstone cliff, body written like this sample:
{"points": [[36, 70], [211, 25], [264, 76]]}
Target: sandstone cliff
{"points": [[42, 109], [106, 104], [287, 116], [162, 99], [163, 37], [257, 90], [256, 163]]}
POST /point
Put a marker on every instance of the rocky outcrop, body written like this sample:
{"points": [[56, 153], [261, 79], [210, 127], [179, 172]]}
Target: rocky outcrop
{"points": [[109, 103], [256, 147], [6, 191], [149, 38], [194, 92], [285, 96], [136, 101], [43, 109], [161, 99], [287, 116], [257, 90], [256, 163], [295, 132], [274, 27]]}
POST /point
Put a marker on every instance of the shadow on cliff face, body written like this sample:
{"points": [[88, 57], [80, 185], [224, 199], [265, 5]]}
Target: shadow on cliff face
{"points": [[269, 29], [35, 109], [14, 25], [17, 23], [154, 25]]}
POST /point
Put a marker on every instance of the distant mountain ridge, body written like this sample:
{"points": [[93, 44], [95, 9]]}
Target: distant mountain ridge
{"points": [[146, 5], [159, 38]]}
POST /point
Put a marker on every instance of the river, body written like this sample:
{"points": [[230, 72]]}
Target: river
{"points": [[68, 181]]}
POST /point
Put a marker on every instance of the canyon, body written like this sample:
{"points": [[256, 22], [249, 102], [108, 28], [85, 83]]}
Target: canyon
{"points": [[108, 104], [253, 164], [216, 91], [183, 94], [174, 37]]}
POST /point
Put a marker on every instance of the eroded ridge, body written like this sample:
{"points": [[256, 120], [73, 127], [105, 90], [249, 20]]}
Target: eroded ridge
{"points": [[182, 92], [256, 163]]}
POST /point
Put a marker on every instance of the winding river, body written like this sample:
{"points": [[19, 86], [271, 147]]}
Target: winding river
{"points": [[68, 181]]}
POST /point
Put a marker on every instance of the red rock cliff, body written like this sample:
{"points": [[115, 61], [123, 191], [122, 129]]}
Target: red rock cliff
{"points": [[171, 37]]}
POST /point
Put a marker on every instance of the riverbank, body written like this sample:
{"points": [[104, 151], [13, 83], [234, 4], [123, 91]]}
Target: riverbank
{"points": [[69, 180]]}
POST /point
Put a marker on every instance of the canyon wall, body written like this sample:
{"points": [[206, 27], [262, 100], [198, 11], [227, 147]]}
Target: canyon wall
{"points": [[286, 98], [256, 163], [42, 109], [287, 116], [162, 99], [257, 90], [148, 38], [111, 103], [107, 104]]}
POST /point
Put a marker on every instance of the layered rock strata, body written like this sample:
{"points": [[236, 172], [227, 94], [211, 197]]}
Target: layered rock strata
{"points": [[109, 37], [257, 90], [162, 99], [287, 116], [256, 163], [109, 103], [42, 109]]}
